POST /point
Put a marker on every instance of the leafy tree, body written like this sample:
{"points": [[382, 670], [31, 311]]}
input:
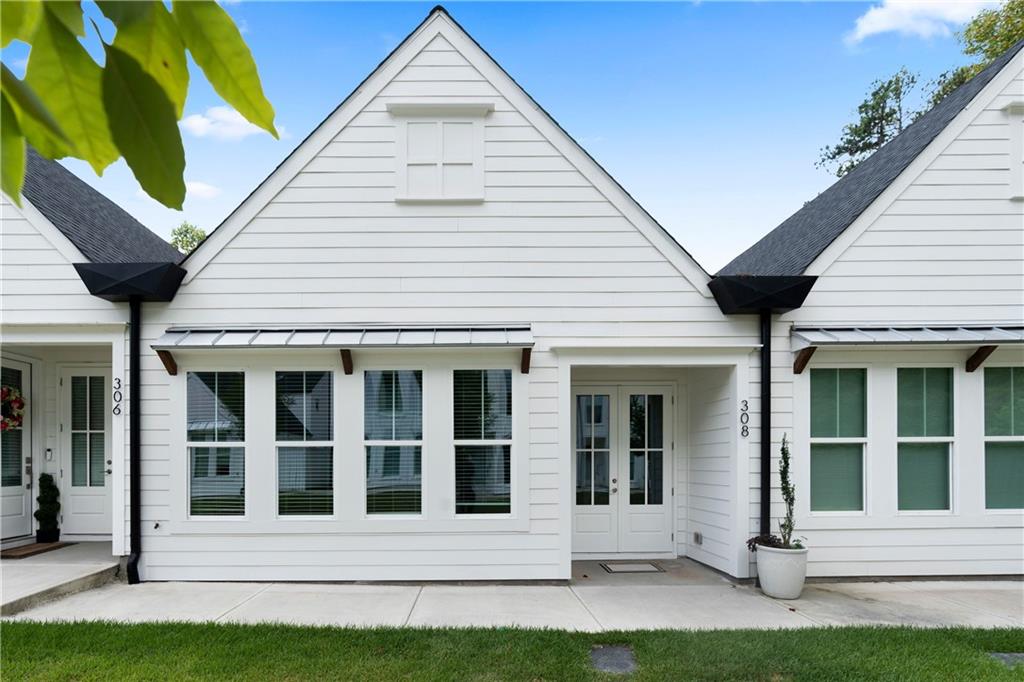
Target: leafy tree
{"points": [[186, 237], [68, 105], [988, 35], [882, 115]]}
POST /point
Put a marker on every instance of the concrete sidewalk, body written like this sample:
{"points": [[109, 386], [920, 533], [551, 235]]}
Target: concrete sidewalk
{"points": [[578, 606]]}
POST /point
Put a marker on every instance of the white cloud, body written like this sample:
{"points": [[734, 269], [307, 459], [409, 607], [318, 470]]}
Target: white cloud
{"points": [[222, 123], [919, 18], [201, 190]]}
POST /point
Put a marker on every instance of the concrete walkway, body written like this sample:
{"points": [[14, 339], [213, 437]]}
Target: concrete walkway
{"points": [[32, 580], [601, 602]]}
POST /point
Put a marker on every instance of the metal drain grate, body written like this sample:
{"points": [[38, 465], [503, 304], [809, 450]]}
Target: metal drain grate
{"points": [[633, 567], [617, 660]]}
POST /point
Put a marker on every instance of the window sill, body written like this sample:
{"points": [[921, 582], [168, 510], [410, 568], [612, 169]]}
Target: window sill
{"points": [[439, 200], [351, 526]]}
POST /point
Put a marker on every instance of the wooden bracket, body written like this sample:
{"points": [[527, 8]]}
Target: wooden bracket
{"points": [[169, 364], [346, 360], [803, 356], [524, 365], [979, 356]]}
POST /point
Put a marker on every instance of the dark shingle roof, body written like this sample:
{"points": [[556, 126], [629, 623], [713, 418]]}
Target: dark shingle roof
{"points": [[102, 230], [792, 246]]}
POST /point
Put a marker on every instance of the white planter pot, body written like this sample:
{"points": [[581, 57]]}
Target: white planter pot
{"points": [[781, 571]]}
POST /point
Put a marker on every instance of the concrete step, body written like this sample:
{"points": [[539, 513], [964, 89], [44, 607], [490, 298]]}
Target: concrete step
{"points": [[85, 580]]}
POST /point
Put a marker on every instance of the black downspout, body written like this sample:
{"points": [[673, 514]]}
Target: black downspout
{"points": [[135, 437], [766, 420]]}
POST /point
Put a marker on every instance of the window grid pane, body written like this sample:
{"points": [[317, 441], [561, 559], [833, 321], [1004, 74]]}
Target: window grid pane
{"points": [[592, 440], [393, 479], [1004, 401], [1004, 475], [923, 476], [215, 407], [305, 481], [482, 479], [838, 403], [304, 406], [220, 492], [924, 401], [837, 477], [393, 412]]}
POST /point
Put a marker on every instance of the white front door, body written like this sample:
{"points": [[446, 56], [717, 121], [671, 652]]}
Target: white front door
{"points": [[85, 452], [16, 452], [622, 469]]}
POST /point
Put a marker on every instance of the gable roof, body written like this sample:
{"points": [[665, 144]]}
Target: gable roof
{"points": [[99, 228], [440, 22], [791, 247]]}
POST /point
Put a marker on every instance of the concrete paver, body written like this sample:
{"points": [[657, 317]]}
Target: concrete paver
{"points": [[323, 604], [532, 606]]}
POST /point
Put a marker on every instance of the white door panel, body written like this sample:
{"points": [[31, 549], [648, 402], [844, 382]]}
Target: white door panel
{"points": [[85, 452]]}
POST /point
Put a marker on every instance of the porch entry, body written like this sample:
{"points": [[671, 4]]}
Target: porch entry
{"points": [[85, 467], [16, 450], [622, 469]]}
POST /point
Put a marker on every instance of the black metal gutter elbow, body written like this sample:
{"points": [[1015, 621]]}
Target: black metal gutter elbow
{"points": [[134, 283], [762, 296]]}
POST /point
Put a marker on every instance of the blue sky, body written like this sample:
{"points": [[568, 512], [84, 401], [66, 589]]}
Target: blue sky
{"points": [[710, 114]]}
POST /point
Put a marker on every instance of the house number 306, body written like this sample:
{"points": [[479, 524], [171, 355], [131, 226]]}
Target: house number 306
{"points": [[744, 418], [117, 396]]}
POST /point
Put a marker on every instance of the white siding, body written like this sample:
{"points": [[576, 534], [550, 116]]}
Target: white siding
{"points": [[38, 284], [946, 247], [546, 247], [711, 465]]}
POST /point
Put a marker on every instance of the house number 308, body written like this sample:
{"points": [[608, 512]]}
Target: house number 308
{"points": [[744, 418], [117, 396]]}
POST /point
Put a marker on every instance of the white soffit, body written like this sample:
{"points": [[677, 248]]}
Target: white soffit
{"points": [[803, 337], [347, 337]]}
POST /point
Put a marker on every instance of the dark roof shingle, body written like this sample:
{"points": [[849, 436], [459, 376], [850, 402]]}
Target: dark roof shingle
{"points": [[102, 230], [792, 246]]}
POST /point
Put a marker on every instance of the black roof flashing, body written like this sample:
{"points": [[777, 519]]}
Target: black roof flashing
{"points": [[124, 281]]}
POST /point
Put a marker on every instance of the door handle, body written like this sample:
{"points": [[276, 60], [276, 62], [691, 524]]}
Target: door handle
{"points": [[110, 471], [615, 490]]}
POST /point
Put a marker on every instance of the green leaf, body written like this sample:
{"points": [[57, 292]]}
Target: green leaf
{"points": [[68, 82], [33, 113], [12, 152], [68, 13], [145, 128], [217, 47], [18, 21], [148, 32]]}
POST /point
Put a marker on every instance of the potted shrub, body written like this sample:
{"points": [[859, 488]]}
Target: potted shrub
{"points": [[48, 510], [781, 560]]}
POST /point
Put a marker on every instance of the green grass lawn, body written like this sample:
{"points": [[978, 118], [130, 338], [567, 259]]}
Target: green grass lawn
{"points": [[98, 651]]}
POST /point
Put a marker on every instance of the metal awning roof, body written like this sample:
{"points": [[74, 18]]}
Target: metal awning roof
{"points": [[345, 337], [804, 337]]}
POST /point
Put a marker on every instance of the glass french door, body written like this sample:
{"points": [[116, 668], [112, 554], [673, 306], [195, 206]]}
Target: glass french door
{"points": [[86, 452], [16, 452], [622, 469]]}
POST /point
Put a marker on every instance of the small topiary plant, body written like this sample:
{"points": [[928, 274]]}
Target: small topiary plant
{"points": [[49, 508], [789, 499]]}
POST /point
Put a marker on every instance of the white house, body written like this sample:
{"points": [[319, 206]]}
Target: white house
{"points": [[440, 342]]}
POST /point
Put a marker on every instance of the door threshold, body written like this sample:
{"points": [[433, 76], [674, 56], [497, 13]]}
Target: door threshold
{"points": [[11, 543], [622, 556]]}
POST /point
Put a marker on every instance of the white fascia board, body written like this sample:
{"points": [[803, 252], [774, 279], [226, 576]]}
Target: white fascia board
{"points": [[440, 24], [834, 250]]}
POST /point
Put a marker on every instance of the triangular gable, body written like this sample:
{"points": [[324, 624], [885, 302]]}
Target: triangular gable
{"points": [[415, 51], [47, 230], [956, 127]]}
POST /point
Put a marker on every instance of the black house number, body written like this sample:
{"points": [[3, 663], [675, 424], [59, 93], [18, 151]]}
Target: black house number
{"points": [[744, 418], [117, 396]]}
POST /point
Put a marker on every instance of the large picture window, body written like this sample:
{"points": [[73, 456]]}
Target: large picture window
{"points": [[482, 411], [838, 438], [304, 426], [215, 440], [393, 439], [924, 430], [1004, 437]]}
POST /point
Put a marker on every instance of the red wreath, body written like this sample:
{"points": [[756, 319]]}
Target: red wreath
{"points": [[12, 408]]}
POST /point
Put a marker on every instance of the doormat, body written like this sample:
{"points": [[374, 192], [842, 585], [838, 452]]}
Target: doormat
{"points": [[633, 567], [33, 549]]}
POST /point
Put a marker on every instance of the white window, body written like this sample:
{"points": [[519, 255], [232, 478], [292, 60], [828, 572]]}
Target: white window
{"points": [[440, 151], [393, 441], [215, 440], [924, 437], [838, 439], [1015, 114], [1004, 437], [482, 415], [304, 425]]}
